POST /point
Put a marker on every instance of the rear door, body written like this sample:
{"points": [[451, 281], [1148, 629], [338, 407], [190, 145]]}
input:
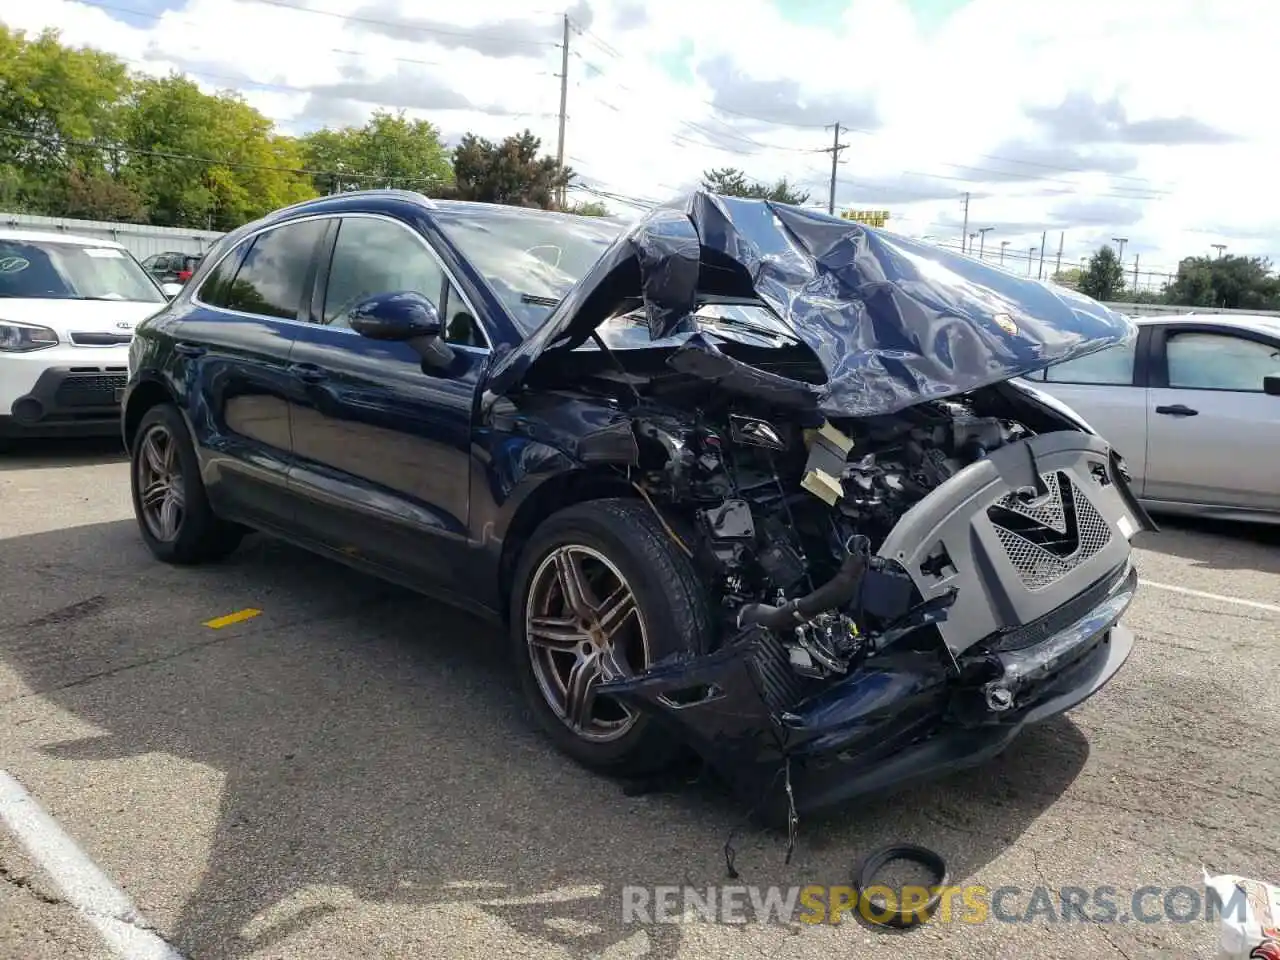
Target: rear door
{"points": [[1106, 388], [1214, 434], [383, 443], [235, 345]]}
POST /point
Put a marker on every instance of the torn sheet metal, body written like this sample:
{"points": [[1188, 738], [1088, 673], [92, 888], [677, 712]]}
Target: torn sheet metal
{"points": [[893, 321]]}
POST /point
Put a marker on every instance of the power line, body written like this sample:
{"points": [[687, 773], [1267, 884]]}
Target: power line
{"points": [[715, 139], [814, 126], [108, 146], [289, 88], [395, 24]]}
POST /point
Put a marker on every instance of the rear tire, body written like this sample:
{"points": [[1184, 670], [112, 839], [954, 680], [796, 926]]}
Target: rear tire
{"points": [[615, 546], [169, 500]]}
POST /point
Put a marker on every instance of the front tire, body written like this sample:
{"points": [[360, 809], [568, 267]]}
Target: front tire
{"points": [[169, 500], [602, 589]]}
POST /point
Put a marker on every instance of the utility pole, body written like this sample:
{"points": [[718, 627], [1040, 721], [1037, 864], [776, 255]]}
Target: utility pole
{"points": [[1003, 244], [1031, 256], [1135, 272], [965, 229], [1219, 247], [982, 239], [1121, 241], [834, 150], [1062, 236], [564, 99], [1040, 271]]}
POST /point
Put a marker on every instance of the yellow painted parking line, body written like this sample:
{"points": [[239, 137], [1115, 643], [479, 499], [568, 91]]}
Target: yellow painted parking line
{"points": [[217, 623]]}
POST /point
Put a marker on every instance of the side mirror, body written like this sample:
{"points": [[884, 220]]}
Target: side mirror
{"points": [[171, 290], [405, 316], [1271, 385]]}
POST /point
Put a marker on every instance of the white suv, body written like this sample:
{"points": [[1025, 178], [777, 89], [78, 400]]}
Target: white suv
{"points": [[68, 306]]}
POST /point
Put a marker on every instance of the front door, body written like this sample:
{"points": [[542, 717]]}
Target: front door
{"points": [[1214, 433], [382, 442]]}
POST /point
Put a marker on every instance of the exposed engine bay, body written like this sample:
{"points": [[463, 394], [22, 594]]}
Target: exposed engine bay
{"points": [[912, 552], [784, 519]]}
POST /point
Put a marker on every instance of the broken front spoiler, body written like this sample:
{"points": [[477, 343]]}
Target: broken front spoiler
{"points": [[899, 717]]}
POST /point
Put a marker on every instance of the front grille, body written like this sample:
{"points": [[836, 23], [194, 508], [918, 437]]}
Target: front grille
{"points": [[90, 389], [1046, 541], [93, 338]]}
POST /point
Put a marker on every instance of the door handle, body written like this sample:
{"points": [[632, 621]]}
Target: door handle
{"points": [[1177, 410], [309, 372], [189, 349]]}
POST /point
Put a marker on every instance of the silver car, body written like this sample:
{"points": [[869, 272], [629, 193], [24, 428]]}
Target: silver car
{"points": [[1193, 405]]}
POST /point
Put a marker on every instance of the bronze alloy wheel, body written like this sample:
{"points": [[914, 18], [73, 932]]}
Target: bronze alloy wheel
{"points": [[582, 625], [161, 490]]}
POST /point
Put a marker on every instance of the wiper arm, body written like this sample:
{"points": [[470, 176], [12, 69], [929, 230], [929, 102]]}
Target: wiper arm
{"points": [[538, 301], [759, 328]]}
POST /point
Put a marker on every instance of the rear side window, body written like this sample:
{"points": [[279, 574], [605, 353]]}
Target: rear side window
{"points": [[217, 284], [273, 275]]}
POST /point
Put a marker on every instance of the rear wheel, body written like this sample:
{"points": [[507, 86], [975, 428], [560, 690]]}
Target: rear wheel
{"points": [[169, 500], [602, 591]]}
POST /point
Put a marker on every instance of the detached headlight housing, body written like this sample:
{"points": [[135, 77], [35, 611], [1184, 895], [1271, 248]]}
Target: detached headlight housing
{"points": [[25, 337]]}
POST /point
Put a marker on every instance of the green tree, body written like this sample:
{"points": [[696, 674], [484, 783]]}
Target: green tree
{"points": [[508, 172], [98, 197], [1103, 277], [732, 182], [588, 208], [56, 104], [1234, 282], [390, 150], [171, 132], [1068, 278]]}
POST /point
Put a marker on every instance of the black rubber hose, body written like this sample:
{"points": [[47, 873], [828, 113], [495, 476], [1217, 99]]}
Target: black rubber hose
{"points": [[864, 877], [836, 592]]}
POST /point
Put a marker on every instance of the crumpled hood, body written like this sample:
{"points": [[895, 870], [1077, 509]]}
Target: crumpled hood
{"points": [[893, 321]]}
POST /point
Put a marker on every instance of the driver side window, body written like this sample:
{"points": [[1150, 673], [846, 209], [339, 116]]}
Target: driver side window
{"points": [[374, 256]]}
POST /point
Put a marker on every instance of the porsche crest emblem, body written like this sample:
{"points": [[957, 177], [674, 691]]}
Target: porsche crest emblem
{"points": [[1005, 323]]}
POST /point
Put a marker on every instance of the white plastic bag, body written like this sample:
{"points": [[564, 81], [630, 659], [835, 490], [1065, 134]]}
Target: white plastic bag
{"points": [[1250, 918]]}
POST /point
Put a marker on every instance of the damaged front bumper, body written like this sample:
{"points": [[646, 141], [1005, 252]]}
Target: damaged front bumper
{"points": [[899, 717]]}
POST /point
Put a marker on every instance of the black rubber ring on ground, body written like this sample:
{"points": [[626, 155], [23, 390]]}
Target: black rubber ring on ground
{"points": [[865, 874]]}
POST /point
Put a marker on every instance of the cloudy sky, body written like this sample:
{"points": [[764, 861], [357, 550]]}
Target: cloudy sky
{"points": [[1143, 119]]}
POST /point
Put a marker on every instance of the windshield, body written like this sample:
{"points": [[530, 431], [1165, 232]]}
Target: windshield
{"points": [[525, 254], [57, 270]]}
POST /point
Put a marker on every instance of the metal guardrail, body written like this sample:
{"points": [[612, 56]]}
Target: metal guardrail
{"points": [[1164, 310], [140, 239]]}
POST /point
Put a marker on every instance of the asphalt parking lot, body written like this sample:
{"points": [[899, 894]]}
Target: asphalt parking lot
{"points": [[350, 773]]}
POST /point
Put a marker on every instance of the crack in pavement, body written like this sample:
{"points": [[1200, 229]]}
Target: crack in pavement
{"points": [[28, 886]]}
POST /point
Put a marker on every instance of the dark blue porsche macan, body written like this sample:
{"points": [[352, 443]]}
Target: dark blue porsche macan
{"points": [[739, 477]]}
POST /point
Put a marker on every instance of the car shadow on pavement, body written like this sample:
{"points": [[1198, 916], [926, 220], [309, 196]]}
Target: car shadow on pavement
{"points": [[45, 454], [1216, 544], [377, 762]]}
